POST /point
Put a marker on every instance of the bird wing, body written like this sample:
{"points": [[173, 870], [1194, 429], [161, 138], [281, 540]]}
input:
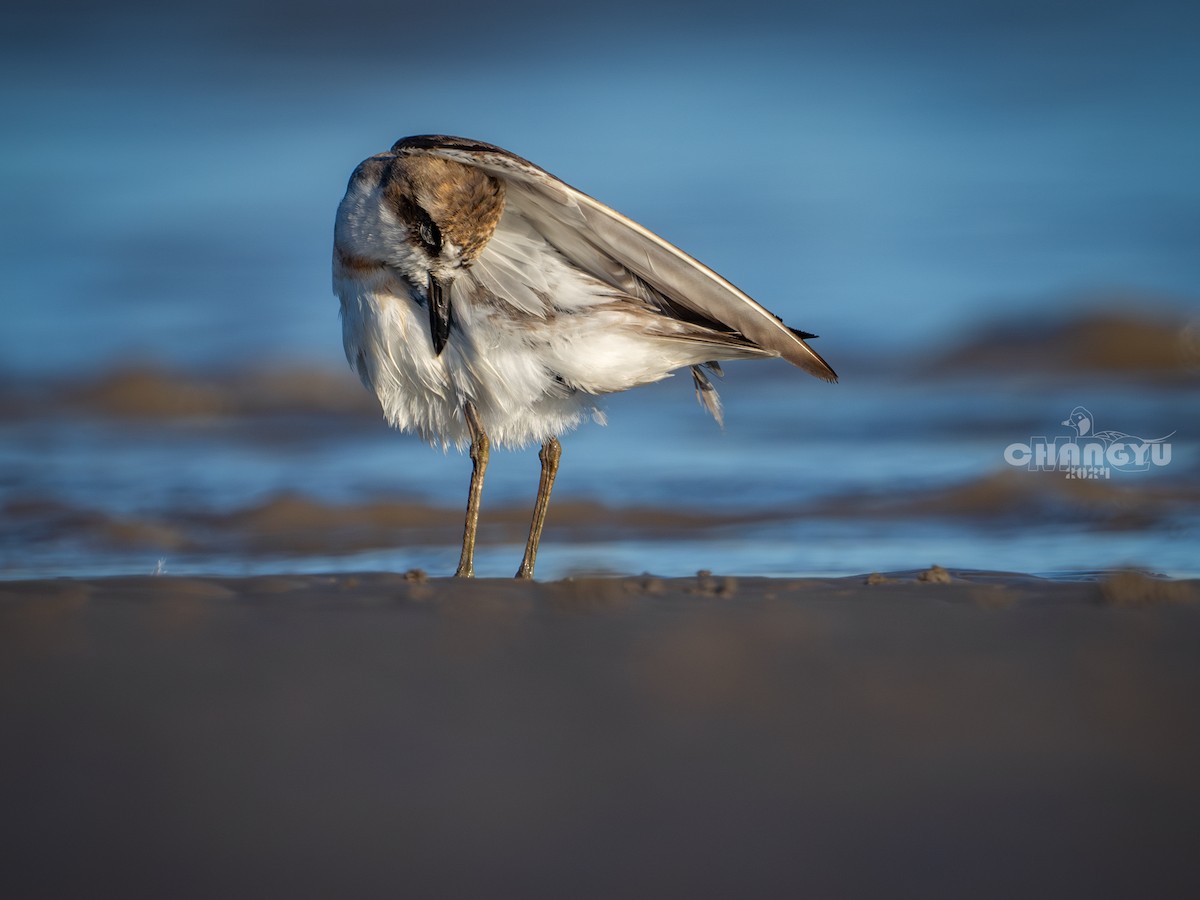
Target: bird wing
{"points": [[619, 251]]}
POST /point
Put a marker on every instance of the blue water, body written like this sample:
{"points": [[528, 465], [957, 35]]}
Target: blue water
{"points": [[890, 178], [810, 464]]}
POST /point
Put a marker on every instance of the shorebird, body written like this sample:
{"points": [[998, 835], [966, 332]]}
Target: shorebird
{"points": [[483, 299]]}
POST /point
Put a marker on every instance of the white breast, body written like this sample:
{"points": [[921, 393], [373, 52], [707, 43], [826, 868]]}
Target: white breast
{"points": [[488, 360]]}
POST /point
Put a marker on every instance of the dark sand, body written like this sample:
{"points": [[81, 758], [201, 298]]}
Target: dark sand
{"points": [[916, 734]]}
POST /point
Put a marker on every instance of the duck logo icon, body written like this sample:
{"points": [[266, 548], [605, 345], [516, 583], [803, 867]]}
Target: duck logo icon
{"points": [[1089, 453]]}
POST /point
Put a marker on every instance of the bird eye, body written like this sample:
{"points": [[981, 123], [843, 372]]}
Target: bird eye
{"points": [[421, 224], [428, 232]]}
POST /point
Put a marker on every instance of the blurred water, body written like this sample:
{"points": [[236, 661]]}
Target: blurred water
{"points": [[826, 472], [889, 178], [170, 177]]}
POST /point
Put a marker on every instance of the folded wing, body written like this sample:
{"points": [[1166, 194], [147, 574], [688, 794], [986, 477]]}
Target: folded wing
{"points": [[621, 252]]}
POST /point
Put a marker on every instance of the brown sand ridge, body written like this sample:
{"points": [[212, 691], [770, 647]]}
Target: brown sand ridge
{"points": [[1020, 495], [153, 392], [1153, 345], [295, 524]]}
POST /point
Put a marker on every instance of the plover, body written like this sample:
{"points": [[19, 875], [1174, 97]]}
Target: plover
{"points": [[483, 299]]}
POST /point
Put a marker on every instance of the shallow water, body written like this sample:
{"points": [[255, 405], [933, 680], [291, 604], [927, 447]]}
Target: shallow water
{"points": [[868, 475]]}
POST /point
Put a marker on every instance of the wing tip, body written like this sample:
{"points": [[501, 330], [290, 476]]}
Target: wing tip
{"points": [[812, 362]]}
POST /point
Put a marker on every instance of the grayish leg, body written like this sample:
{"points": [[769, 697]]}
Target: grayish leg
{"points": [[479, 461], [550, 455]]}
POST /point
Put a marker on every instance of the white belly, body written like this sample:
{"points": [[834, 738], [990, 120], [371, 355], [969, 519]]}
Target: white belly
{"points": [[487, 360]]}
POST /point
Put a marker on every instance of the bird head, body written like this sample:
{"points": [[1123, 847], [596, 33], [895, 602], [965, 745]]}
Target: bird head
{"points": [[417, 214]]}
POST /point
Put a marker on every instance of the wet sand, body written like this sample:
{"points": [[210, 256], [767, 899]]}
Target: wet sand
{"points": [[925, 733]]}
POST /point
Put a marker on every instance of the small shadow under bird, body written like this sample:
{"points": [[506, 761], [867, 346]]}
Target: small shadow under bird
{"points": [[483, 299]]}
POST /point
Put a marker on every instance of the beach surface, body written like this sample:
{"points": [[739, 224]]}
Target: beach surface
{"points": [[924, 733], [986, 211]]}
